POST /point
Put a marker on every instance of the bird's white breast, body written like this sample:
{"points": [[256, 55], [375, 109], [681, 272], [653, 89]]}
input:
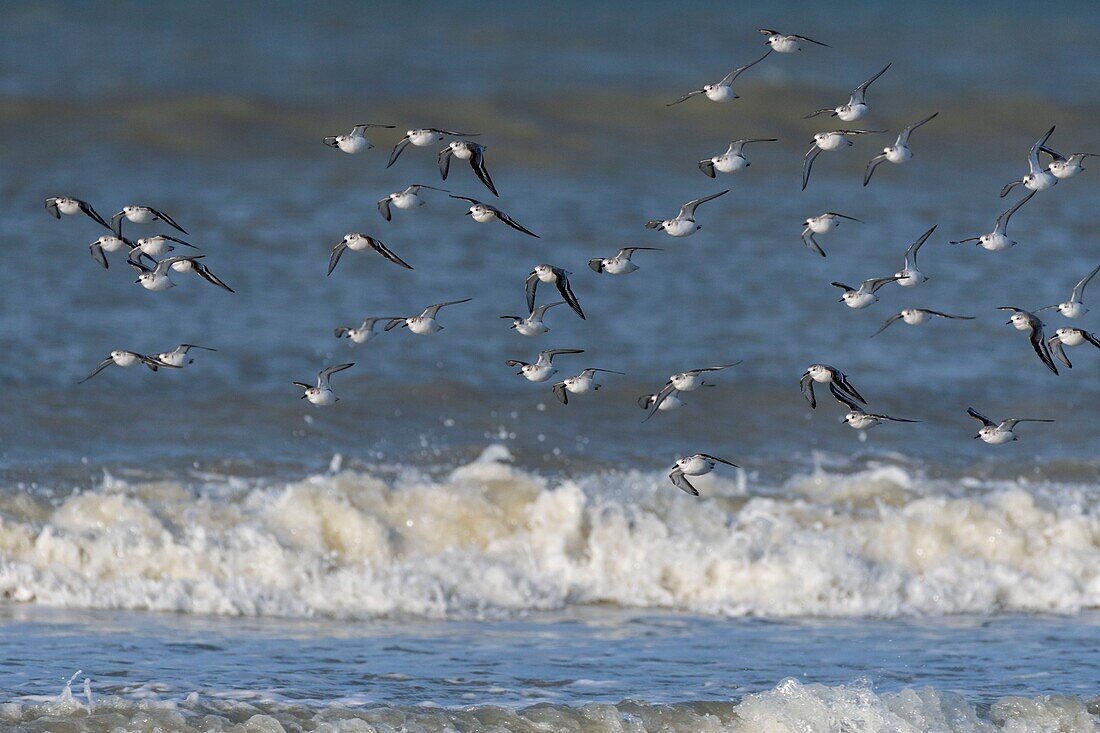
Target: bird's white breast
{"points": [[462, 152], [357, 243], [1072, 309], [914, 317], [579, 385], [822, 224], [175, 358], [483, 215], [898, 153], [618, 266], [783, 44], [1061, 169], [695, 466], [995, 242], [720, 93], [996, 437], [124, 360], [535, 373], [859, 300], [832, 141], [155, 246], [528, 328], [851, 113], [1040, 181], [680, 227], [352, 143], [360, 335], [139, 216], [730, 163], [110, 244], [405, 200], [68, 206], [424, 326], [321, 397], [183, 266], [422, 138], [910, 278]]}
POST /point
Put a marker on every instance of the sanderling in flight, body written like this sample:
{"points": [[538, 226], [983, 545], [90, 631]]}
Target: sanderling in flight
{"points": [[1037, 178], [543, 367], [1069, 336], [722, 91], [466, 150], [407, 199], [178, 357], [864, 295], [1023, 320], [828, 141], [322, 393], [108, 243], [671, 401], [357, 242], [484, 213], [825, 374], [126, 359], [1066, 166], [580, 384], [1074, 307], [364, 332], [156, 278], [688, 381], [998, 239], [910, 276], [158, 244], [822, 224], [917, 316], [858, 419], [733, 159], [532, 325], [856, 106], [620, 264], [424, 324], [559, 278], [698, 464], [787, 43], [897, 153], [142, 215], [998, 433], [684, 224], [58, 205], [422, 138], [355, 141]]}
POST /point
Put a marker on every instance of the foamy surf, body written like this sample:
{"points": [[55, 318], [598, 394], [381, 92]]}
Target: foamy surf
{"points": [[791, 707], [490, 539]]}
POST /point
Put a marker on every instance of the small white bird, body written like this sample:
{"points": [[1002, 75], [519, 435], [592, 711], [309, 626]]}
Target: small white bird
{"points": [[1074, 307], [108, 243], [620, 264], [864, 295], [683, 225], [178, 357], [787, 43], [355, 141], [1022, 320], [722, 91], [1037, 178], [909, 276], [733, 159], [671, 402], [998, 239], [822, 224], [581, 384], [830, 375], [155, 278], [483, 213], [142, 215], [357, 242], [58, 205], [1063, 167], [406, 199], [532, 325], [466, 150], [126, 359], [828, 142], [697, 464], [998, 433], [424, 324], [557, 277], [1070, 337], [856, 107], [364, 333], [322, 393], [897, 153], [916, 317], [858, 419], [543, 367], [158, 244], [688, 381], [422, 138]]}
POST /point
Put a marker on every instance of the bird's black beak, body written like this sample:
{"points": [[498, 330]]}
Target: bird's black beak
{"points": [[519, 372], [844, 419], [1008, 323], [302, 397], [976, 437], [468, 213], [841, 300]]}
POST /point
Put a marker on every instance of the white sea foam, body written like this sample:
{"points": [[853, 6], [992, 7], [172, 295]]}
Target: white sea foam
{"points": [[490, 539], [790, 707]]}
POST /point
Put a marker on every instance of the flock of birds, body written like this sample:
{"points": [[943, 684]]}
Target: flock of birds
{"points": [[155, 274]]}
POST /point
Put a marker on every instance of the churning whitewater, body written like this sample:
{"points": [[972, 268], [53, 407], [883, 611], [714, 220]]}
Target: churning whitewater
{"points": [[489, 539]]}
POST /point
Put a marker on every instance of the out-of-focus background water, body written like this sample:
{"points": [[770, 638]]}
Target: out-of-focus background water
{"points": [[444, 486]]}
